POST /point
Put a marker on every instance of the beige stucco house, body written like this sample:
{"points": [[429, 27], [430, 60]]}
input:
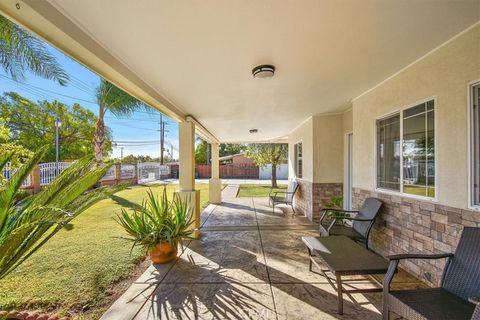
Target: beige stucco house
{"points": [[375, 98]]}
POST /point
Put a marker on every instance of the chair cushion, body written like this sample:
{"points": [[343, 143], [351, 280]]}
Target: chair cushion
{"points": [[433, 303], [346, 231]]}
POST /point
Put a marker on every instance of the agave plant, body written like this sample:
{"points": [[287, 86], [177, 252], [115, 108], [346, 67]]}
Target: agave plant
{"points": [[158, 221], [27, 225]]}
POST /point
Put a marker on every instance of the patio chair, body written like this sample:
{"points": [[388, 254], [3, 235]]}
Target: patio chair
{"points": [[286, 197], [362, 221], [459, 291]]}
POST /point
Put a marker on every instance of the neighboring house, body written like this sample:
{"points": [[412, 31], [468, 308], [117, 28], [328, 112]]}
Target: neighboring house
{"points": [[238, 158]]}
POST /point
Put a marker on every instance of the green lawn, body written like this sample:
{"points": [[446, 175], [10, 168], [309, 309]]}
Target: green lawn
{"points": [[78, 265], [419, 190], [257, 190]]}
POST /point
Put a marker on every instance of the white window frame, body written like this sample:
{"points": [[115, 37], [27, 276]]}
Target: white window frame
{"points": [[435, 136], [470, 140], [296, 158]]}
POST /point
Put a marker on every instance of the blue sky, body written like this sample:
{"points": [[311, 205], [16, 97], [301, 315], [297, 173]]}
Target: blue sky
{"points": [[140, 126]]}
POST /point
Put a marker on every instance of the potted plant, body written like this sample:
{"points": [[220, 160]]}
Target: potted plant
{"points": [[157, 225], [336, 202]]}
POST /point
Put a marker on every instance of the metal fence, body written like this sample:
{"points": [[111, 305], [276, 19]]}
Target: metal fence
{"points": [[127, 171], [110, 175], [48, 171], [8, 172], [151, 171]]}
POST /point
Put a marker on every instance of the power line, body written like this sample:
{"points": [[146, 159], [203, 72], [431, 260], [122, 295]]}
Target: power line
{"points": [[49, 91]]}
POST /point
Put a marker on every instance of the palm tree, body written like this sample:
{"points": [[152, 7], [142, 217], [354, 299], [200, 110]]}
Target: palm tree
{"points": [[20, 51], [28, 224], [119, 103]]}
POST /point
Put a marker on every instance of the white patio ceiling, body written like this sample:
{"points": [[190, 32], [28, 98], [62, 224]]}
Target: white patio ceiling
{"points": [[198, 55]]}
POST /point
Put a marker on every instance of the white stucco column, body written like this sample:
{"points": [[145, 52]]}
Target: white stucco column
{"points": [[186, 132], [215, 184]]}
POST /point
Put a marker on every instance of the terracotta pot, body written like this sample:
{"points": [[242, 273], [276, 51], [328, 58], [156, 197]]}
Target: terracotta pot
{"points": [[163, 253]]}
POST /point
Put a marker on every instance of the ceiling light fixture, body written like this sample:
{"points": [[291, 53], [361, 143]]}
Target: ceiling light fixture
{"points": [[253, 130], [263, 71]]}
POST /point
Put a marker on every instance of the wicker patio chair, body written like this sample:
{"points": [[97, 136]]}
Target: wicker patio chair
{"points": [[459, 291], [286, 197], [362, 221]]}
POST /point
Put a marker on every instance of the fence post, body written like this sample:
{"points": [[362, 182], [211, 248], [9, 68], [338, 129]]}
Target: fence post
{"points": [[36, 179], [135, 172], [118, 173]]}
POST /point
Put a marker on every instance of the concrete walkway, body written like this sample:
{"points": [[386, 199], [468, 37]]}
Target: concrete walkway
{"points": [[248, 264], [230, 191]]}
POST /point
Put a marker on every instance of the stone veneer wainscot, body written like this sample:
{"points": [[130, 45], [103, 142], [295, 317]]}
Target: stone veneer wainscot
{"points": [[408, 225], [311, 197]]}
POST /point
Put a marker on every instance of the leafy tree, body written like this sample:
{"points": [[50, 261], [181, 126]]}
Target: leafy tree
{"points": [[228, 149], [32, 124], [268, 153], [201, 153], [119, 103], [20, 51], [27, 225], [131, 159]]}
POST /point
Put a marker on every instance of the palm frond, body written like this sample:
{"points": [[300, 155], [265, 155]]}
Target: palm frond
{"points": [[28, 225], [7, 194], [21, 51]]}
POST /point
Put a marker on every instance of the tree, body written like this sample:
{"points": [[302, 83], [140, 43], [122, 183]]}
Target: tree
{"points": [[228, 149], [31, 124], [27, 225], [201, 153], [268, 153], [119, 103], [20, 51], [131, 159]]}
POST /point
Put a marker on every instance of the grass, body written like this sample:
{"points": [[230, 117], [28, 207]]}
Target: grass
{"points": [[420, 190], [74, 270], [257, 190]]}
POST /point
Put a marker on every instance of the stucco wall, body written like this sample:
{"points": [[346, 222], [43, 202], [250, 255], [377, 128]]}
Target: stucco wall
{"points": [[323, 143], [328, 145], [303, 133], [444, 75], [348, 121]]}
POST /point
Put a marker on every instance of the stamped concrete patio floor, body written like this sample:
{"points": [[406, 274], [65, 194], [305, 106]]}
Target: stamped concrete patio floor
{"points": [[248, 264]]}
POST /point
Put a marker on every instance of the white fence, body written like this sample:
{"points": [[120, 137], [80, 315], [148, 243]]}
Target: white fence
{"points": [[127, 171], [48, 171], [8, 172], [151, 171], [266, 172]]}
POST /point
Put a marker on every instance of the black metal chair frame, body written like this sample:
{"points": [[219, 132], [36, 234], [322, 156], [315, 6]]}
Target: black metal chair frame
{"points": [[273, 197], [393, 304], [337, 218]]}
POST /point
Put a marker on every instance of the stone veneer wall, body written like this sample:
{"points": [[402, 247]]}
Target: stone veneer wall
{"points": [[408, 225], [310, 196]]}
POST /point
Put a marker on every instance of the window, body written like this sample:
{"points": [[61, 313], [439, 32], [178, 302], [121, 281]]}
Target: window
{"points": [[475, 144], [298, 160], [406, 151], [388, 153]]}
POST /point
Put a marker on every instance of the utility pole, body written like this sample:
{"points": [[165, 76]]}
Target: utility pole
{"points": [[121, 154], [162, 138]]}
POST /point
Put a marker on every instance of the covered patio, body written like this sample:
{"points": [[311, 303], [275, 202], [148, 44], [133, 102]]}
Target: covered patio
{"points": [[249, 264], [374, 98]]}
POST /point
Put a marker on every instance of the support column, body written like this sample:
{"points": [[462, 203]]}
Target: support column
{"points": [[215, 184], [186, 132]]}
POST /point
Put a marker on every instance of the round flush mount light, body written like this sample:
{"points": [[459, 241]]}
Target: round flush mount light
{"points": [[253, 130], [263, 71]]}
